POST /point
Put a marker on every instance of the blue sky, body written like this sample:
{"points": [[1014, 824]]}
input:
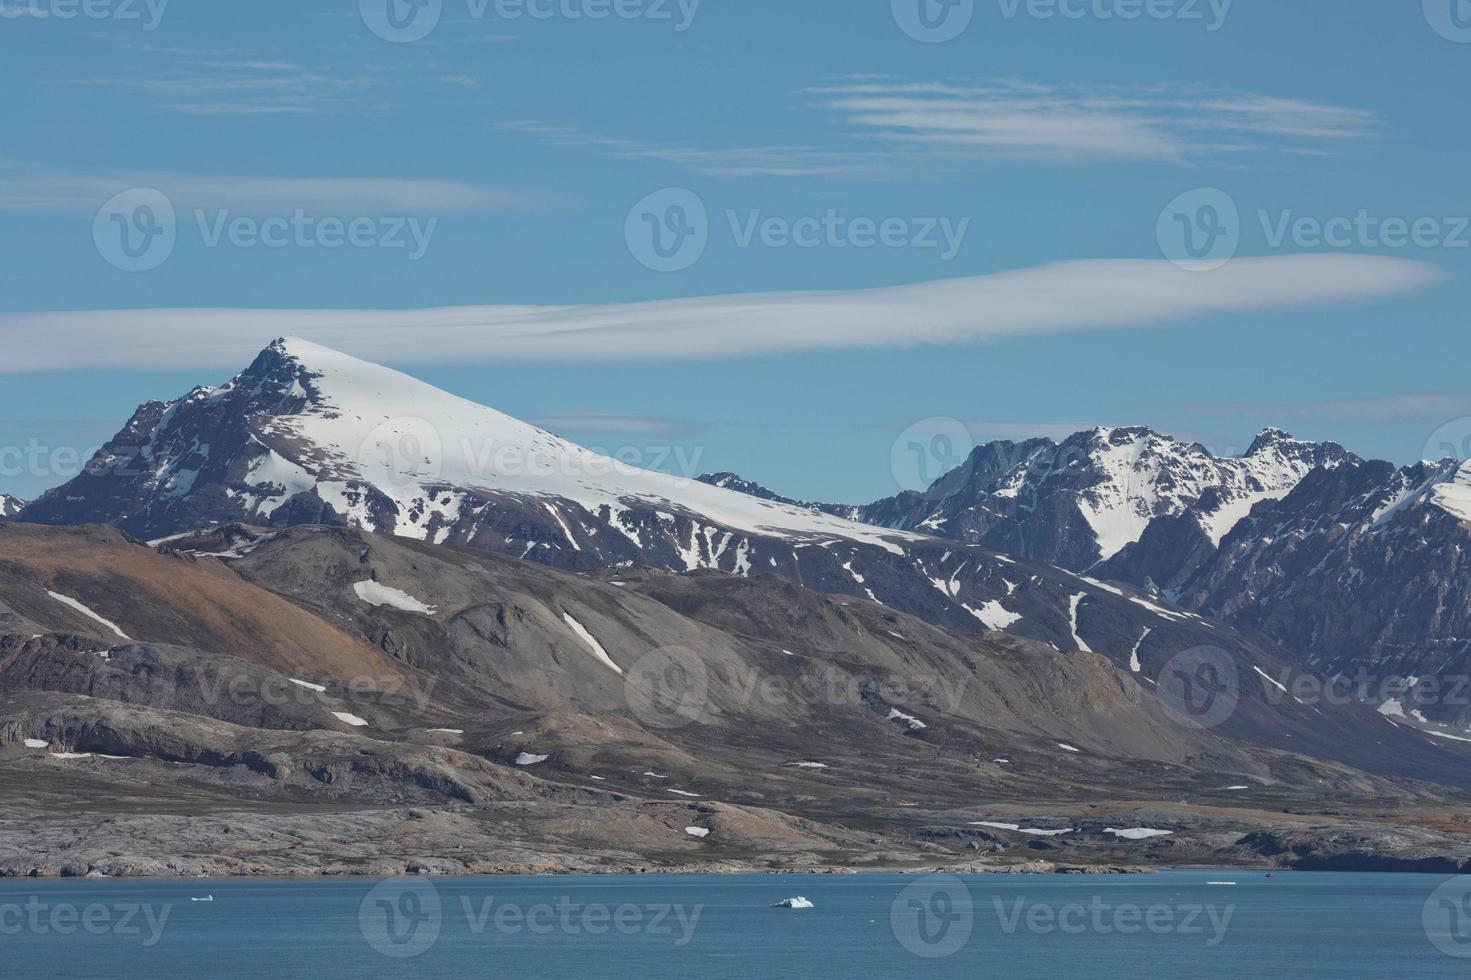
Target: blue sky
{"points": [[1047, 149]]}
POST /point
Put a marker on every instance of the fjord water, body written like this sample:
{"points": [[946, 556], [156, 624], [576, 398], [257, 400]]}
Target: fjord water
{"points": [[1169, 924]]}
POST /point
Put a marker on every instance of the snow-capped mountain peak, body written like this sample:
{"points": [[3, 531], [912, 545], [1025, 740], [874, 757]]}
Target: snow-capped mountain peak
{"points": [[307, 432], [10, 506], [1085, 500]]}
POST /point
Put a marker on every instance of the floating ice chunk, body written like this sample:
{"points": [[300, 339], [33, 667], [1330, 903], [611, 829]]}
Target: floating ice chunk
{"points": [[794, 903]]}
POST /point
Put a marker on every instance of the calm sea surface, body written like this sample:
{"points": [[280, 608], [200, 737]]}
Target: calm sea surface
{"points": [[1173, 924]]}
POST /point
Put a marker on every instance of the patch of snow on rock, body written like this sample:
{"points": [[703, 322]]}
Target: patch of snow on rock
{"points": [[592, 643], [377, 594], [73, 603]]}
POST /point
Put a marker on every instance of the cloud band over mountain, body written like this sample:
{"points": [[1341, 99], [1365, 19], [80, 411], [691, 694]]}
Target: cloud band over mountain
{"points": [[1050, 299]]}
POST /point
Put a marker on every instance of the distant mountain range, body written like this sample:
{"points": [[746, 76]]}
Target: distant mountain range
{"points": [[319, 519], [307, 435], [1355, 566]]}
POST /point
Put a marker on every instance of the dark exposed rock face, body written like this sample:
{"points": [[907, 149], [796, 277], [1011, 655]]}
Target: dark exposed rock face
{"points": [[1363, 570], [516, 746], [1353, 566], [1083, 501]]}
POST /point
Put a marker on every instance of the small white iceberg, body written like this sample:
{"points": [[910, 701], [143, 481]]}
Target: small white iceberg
{"points": [[207, 898], [794, 903]]}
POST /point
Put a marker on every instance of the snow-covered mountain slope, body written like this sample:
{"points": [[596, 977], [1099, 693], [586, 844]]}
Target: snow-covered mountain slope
{"points": [[1365, 571], [10, 506], [1356, 567], [1091, 497]]}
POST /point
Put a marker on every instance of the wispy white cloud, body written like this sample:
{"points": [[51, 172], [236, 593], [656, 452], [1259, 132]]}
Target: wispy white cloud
{"points": [[28, 188], [880, 126], [1015, 119], [205, 83], [616, 423], [1065, 297], [730, 161]]}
